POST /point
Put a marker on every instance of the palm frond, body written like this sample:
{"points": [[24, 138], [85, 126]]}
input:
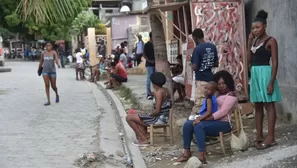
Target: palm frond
{"points": [[48, 11]]}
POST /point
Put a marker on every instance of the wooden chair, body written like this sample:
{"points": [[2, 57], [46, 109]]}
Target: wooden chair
{"points": [[165, 127], [235, 129]]}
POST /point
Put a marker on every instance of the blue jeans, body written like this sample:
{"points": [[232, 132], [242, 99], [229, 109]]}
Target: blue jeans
{"points": [[62, 59], [149, 72], [201, 130]]}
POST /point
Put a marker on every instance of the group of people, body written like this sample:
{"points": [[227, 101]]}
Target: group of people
{"points": [[215, 97]]}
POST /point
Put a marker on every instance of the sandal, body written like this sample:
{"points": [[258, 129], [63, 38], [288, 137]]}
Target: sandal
{"points": [[57, 99], [257, 142], [263, 146], [47, 103], [139, 144], [109, 87], [183, 158]]}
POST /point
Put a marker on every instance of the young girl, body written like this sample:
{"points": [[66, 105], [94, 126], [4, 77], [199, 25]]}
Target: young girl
{"points": [[79, 64], [161, 104], [264, 90]]}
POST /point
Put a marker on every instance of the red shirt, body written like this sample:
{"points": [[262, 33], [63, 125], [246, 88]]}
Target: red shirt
{"points": [[122, 70]]}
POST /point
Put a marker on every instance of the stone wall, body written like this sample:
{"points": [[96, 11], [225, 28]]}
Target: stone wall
{"points": [[282, 25]]}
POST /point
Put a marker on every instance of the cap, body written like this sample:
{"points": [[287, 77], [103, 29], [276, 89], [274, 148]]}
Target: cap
{"points": [[158, 78]]}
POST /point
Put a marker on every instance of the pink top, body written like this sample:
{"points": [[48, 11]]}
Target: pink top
{"points": [[226, 105]]}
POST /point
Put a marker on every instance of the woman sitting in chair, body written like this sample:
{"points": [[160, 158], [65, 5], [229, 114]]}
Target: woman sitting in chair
{"points": [[161, 104], [216, 123]]}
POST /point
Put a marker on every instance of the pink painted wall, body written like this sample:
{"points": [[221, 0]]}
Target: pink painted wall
{"points": [[119, 26]]}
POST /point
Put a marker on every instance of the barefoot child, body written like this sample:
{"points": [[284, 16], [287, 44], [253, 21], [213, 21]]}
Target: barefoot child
{"points": [[210, 103]]}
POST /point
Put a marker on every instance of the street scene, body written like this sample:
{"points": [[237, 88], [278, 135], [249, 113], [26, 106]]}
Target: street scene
{"points": [[148, 84]]}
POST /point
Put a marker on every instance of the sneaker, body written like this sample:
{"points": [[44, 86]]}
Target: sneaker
{"points": [[149, 97]]}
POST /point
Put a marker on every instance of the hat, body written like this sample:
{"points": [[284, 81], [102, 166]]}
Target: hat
{"points": [[158, 78]]}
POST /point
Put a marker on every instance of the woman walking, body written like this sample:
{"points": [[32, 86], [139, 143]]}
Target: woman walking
{"points": [[264, 90], [47, 64]]}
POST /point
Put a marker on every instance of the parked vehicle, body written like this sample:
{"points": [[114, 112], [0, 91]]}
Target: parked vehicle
{"points": [[2, 57]]}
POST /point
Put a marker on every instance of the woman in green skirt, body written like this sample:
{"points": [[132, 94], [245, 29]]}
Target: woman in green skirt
{"points": [[264, 90]]}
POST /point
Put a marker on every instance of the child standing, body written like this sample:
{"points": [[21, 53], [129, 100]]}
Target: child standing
{"points": [[79, 64], [209, 105]]}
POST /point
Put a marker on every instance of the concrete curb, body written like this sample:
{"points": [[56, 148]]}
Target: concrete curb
{"points": [[5, 70], [137, 159]]}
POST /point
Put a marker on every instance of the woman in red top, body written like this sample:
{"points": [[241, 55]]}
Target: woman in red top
{"points": [[118, 75]]}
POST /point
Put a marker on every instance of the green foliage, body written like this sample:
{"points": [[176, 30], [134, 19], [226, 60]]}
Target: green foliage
{"points": [[84, 20], [101, 29], [50, 11], [12, 19]]}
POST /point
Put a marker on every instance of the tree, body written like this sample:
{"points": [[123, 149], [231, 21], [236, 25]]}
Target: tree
{"points": [[159, 44], [50, 11], [101, 29], [85, 20]]}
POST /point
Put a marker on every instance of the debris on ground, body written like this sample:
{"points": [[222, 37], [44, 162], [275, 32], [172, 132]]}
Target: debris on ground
{"points": [[88, 159]]}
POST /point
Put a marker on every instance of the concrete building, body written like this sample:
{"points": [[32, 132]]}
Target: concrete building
{"points": [[282, 25], [105, 8]]}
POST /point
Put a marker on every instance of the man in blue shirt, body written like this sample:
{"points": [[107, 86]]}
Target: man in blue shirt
{"points": [[204, 58]]}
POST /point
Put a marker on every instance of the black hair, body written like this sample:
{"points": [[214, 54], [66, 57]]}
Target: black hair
{"points": [[112, 64], [77, 50], [179, 57], [49, 42], [227, 77], [261, 17], [122, 44], [150, 34], [198, 33]]}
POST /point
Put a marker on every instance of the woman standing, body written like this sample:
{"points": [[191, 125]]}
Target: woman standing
{"points": [[47, 64], [264, 90]]}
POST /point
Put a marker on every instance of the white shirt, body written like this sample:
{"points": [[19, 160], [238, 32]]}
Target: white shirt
{"points": [[83, 51], [79, 59]]}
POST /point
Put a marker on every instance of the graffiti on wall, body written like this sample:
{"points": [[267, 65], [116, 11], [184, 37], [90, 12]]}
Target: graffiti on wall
{"points": [[222, 24]]}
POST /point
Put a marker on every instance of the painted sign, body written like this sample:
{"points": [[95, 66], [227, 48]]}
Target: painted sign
{"points": [[172, 51], [223, 24]]}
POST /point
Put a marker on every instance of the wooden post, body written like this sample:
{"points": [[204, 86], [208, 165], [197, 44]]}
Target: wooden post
{"points": [[92, 46]]}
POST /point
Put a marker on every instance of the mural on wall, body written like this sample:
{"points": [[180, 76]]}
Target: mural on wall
{"points": [[223, 25]]}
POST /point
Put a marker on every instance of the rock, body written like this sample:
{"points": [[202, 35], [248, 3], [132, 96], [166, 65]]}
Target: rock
{"points": [[120, 153], [193, 162]]}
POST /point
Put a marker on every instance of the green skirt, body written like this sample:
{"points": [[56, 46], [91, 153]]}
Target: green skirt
{"points": [[260, 78]]}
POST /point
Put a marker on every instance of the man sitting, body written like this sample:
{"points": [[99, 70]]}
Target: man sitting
{"points": [[118, 74], [178, 79]]}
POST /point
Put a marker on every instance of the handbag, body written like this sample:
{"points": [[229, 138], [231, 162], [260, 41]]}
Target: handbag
{"points": [[241, 142], [40, 71]]}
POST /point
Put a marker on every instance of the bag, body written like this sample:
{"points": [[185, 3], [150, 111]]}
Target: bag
{"points": [[40, 71], [241, 142]]}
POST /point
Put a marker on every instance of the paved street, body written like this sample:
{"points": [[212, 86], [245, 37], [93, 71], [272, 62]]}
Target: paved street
{"points": [[32, 135]]}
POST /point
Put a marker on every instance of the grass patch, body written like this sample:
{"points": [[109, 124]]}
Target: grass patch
{"points": [[128, 99]]}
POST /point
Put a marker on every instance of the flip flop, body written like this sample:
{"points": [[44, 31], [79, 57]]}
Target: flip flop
{"points": [[263, 146], [57, 99], [137, 143], [257, 142], [47, 104]]}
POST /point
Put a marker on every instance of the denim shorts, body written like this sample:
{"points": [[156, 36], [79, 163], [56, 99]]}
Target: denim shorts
{"points": [[50, 74]]}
